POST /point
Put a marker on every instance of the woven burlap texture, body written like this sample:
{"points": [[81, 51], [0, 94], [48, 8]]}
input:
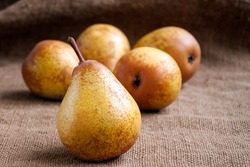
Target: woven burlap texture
{"points": [[207, 125]]}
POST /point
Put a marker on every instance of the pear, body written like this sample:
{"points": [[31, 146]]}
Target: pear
{"points": [[178, 43], [98, 119], [104, 43], [48, 67], [151, 76]]}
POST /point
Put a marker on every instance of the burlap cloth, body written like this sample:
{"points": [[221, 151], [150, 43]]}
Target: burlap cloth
{"points": [[208, 124]]}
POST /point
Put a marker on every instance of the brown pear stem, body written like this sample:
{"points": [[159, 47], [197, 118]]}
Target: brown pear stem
{"points": [[72, 42]]}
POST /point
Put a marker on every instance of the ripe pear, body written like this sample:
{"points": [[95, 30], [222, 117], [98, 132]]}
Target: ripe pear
{"points": [[178, 43], [98, 119], [151, 76], [104, 43], [48, 67]]}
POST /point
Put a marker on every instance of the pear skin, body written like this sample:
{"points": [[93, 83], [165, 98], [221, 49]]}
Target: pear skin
{"points": [[98, 119]]}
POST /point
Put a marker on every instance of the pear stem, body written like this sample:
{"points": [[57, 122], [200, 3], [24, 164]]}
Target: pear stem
{"points": [[72, 42]]}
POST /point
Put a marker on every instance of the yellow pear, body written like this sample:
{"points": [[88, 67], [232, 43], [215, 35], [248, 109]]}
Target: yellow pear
{"points": [[104, 43], [98, 119], [48, 67], [151, 76], [178, 43]]}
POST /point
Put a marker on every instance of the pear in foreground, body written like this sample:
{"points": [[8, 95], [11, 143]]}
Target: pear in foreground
{"points": [[98, 119]]}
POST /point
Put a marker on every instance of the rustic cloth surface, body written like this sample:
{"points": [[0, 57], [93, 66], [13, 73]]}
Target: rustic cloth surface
{"points": [[207, 125]]}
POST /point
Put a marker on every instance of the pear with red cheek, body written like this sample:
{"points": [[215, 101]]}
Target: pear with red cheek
{"points": [[151, 76], [178, 43], [104, 43], [48, 67]]}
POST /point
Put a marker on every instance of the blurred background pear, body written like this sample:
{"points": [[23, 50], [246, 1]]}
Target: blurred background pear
{"points": [[178, 43], [48, 68], [104, 43]]}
